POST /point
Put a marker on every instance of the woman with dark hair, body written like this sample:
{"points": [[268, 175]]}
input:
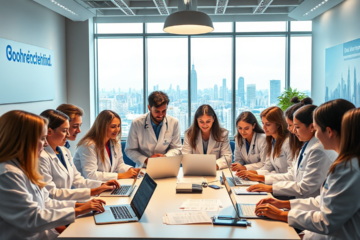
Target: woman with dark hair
{"points": [[294, 142], [57, 167], [335, 213], [99, 155], [279, 158], [205, 136], [250, 143], [309, 171]]}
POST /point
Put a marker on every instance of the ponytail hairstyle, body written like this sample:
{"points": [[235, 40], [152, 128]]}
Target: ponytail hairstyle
{"points": [[250, 118], [20, 133], [330, 114], [276, 115], [349, 140], [98, 131], [194, 129], [294, 143]]}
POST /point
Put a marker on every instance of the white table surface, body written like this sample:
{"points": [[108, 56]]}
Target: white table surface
{"points": [[165, 200]]}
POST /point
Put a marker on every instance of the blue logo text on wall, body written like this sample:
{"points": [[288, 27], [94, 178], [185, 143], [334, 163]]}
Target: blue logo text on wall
{"points": [[26, 73], [31, 58]]}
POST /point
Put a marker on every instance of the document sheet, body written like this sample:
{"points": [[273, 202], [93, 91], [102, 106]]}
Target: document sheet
{"points": [[181, 218], [211, 205]]}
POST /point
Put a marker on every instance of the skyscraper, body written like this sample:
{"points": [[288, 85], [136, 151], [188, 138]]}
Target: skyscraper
{"points": [[241, 90], [216, 92], [221, 92], [224, 89], [177, 92], [251, 95], [193, 84], [275, 90]]}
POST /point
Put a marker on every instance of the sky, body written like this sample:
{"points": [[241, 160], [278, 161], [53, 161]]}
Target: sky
{"points": [[258, 60]]}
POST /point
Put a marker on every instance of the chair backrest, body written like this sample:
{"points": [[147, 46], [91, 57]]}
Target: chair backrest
{"points": [[232, 145], [130, 162], [127, 160]]}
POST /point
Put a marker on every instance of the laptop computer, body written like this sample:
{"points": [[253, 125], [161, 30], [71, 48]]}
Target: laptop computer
{"points": [[199, 165], [123, 190], [163, 167], [129, 212], [242, 210], [236, 180]]}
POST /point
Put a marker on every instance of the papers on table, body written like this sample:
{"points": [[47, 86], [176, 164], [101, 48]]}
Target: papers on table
{"points": [[211, 205], [243, 191], [181, 218], [198, 180]]}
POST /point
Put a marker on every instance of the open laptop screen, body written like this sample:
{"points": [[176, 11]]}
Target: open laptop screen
{"points": [[232, 197], [143, 195]]}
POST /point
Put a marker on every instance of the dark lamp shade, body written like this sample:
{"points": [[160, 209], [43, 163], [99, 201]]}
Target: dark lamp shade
{"points": [[188, 23]]}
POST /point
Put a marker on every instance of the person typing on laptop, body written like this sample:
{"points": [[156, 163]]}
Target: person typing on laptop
{"points": [[205, 136], [154, 134], [99, 155]]}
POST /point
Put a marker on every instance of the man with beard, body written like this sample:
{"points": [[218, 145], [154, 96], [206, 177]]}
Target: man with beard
{"points": [[154, 134]]}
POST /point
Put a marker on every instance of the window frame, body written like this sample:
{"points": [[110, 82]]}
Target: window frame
{"points": [[144, 35]]}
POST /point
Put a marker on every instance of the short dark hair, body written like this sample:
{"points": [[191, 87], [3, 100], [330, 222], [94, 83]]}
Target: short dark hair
{"points": [[158, 98]]}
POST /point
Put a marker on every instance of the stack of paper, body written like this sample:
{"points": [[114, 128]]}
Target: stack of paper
{"points": [[211, 205], [198, 180], [181, 218], [243, 191]]}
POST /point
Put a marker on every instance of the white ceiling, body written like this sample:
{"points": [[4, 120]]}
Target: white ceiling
{"points": [[80, 10]]}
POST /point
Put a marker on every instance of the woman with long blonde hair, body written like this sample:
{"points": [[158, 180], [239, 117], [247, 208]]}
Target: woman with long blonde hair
{"points": [[26, 211], [99, 155], [279, 158]]}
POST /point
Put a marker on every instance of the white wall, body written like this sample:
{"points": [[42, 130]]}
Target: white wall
{"points": [[28, 22], [338, 25], [80, 71]]}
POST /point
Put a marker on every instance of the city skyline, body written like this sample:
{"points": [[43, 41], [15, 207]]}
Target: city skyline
{"points": [[129, 103]]}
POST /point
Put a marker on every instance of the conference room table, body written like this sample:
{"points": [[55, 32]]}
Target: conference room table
{"points": [[165, 200]]}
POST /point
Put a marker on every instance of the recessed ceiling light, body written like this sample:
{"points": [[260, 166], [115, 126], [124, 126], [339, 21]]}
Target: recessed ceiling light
{"points": [[63, 7]]}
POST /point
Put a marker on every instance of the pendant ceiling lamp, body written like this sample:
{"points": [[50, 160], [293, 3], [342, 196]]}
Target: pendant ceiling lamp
{"points": [[188, 21]]}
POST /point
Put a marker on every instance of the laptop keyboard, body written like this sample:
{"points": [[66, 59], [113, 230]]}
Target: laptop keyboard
{"points": [[248, 210], [121, 191], [121, 212]]}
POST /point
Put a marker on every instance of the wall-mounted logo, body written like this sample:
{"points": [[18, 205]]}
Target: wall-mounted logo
{"points": [[30, 58]]}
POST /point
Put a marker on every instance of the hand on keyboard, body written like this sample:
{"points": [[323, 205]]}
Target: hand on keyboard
{"points": [[270, 211]]}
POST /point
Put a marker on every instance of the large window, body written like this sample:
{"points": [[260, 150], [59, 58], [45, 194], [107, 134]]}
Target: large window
{"points": [[300, 62], [211, 77], [167, 72], [260, 72], [120, 78], [241, 66]]}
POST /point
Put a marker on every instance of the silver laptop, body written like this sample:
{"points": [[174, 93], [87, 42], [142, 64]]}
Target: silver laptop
{"points": [[242, 210], [238, 181], [129, 212], [123, 190], [199, 165], [163, 167]]}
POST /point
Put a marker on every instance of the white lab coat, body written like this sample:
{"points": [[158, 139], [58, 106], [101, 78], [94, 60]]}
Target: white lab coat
{"points": [[251, 161], [26, 211], [60, 180], [89, 163], [280, 164], [219, 149], [142, 143], [335, 214], [304, 181]]}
